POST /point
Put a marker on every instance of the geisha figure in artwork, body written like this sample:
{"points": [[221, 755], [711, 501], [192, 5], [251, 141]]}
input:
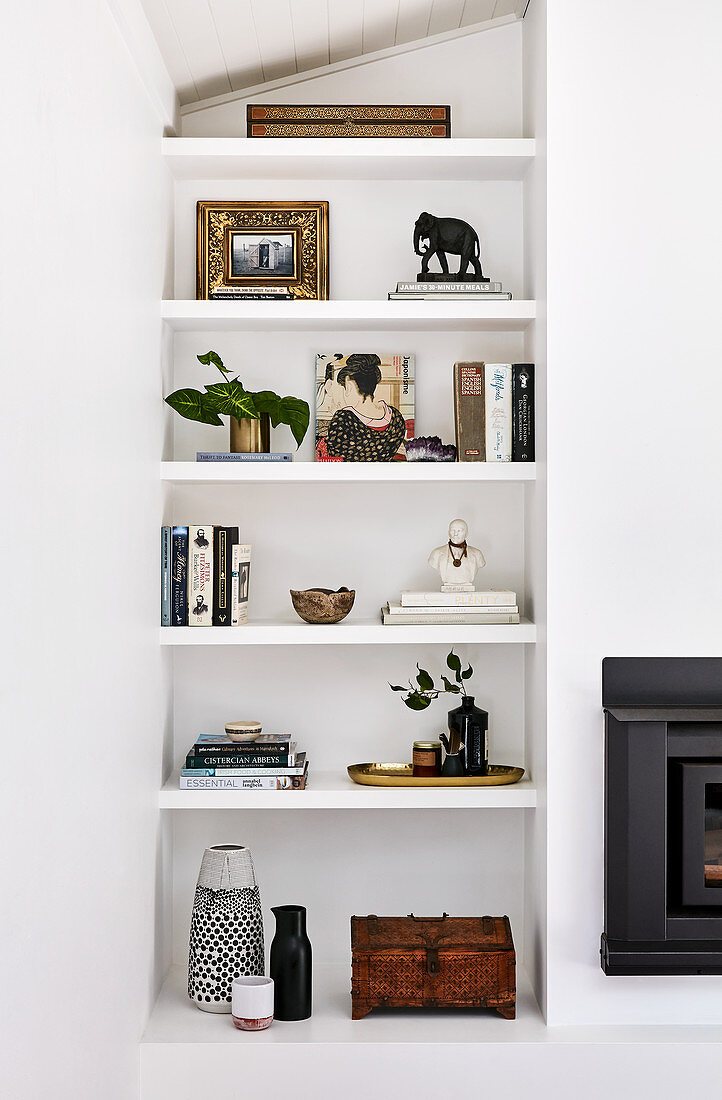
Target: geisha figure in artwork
{"points": [[361, 425]]}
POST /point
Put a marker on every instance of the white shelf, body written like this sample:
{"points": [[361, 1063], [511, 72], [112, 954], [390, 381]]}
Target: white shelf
{"points": [[176, 1021], [186, 1030], [353, 632], [182, 473], [187, 1053], [335, 791], [348, 158], [188, 315]]}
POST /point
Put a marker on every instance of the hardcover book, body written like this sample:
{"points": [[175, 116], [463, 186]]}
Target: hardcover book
{"points": [[457, 616], [436, 288], [245, 456], [240, 783], [425, 296], [270, 759], [179, 577], [240, 583], [364, 407], [240, 754], [237, 770], [200, 576], [224, 540], [469, 418], [497, 411], [250, 293], [493, 598], [219, 740], [438, 610], [522, 402], [214, 296], [165, 556]]}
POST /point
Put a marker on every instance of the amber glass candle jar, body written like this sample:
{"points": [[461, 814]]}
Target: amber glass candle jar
{"points": [[427, 759]]}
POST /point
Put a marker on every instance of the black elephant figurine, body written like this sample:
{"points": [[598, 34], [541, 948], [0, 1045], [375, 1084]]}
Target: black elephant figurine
{"points": [[447, 235]]}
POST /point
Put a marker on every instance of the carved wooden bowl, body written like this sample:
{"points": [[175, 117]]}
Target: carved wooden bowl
{"points": [[323, 605]]}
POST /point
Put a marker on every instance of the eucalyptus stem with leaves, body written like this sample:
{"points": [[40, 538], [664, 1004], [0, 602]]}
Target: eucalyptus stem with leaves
{"points": [[421, 694]]}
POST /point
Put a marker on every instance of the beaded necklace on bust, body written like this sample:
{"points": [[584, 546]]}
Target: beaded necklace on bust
{"points": [[457, 546]]}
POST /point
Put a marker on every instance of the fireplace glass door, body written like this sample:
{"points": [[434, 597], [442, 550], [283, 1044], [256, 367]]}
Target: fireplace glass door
{"points": [[701, 833], [713, 835]]}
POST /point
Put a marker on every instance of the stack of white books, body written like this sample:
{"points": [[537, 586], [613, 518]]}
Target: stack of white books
{"points": [[455, 608]]}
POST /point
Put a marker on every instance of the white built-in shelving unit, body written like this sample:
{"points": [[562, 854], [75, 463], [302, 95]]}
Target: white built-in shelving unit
{"points": [[214, 668]]}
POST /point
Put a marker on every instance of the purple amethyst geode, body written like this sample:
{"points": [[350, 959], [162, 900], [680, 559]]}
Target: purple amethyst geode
{"points": [[429, 448]]}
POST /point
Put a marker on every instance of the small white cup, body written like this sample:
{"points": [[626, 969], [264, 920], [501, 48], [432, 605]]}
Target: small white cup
{"points": [[252, 1003]]}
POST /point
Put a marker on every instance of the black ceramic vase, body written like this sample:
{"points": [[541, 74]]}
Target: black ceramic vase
{"points": [[291, 964], [453, 766], [472, 724]]}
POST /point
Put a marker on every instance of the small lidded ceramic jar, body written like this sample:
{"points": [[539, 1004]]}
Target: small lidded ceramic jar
{"points": [[427, 759], [252, 1003], [243, 731]]}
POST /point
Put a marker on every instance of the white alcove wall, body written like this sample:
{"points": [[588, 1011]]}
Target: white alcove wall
{"points": [[286, 362], [479, 76], [635, 447], [358, 862], [371, 226], [336, 699], [85, 695]]}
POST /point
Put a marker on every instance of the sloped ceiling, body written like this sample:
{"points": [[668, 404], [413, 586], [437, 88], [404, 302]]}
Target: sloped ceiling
{"points": [[212, 47]]}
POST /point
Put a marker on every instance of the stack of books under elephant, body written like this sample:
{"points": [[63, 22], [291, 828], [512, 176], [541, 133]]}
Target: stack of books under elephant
{"points": [[270, 762]]}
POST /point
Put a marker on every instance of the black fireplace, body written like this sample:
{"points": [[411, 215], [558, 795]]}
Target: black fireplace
{"points": [[663, 815]]}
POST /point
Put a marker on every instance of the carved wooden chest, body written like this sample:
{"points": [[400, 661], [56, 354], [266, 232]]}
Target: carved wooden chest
{"points": [[432, 962]]}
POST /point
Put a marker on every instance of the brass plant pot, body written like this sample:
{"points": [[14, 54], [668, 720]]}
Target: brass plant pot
{"points": [[251, 436]]}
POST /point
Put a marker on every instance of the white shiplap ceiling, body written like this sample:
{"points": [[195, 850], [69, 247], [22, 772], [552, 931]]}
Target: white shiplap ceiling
{"points": [[213, 47]]}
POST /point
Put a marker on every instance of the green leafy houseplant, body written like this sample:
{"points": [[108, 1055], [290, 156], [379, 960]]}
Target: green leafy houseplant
{"points": [[420, 695], [229, 398]]}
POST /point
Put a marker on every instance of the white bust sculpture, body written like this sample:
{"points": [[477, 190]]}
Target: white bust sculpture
{"points": [[457, 562]]}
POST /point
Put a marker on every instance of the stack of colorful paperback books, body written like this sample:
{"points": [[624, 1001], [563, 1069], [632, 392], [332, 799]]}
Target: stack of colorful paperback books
{"points": [[495, 607], [438, 289], [270, 763], [205, 574]]}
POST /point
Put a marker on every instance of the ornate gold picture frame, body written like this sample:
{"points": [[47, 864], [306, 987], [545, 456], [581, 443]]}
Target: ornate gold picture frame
{"points": [[254, 244]]}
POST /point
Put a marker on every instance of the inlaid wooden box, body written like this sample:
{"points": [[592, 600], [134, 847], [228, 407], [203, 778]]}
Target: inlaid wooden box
{"points": [[330, 120], [432, 962]]}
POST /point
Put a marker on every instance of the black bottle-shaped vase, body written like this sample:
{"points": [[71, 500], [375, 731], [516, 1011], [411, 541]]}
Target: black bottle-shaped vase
{"points": [[472, 724], [291, 964]]}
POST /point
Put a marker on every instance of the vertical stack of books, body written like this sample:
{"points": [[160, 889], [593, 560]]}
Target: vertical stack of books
{"points": [[204, 576], [270, 763], [494, 412], [452, 608]]}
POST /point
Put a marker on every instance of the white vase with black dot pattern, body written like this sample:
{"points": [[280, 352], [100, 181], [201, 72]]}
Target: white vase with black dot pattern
{"points": [[226, 938]]}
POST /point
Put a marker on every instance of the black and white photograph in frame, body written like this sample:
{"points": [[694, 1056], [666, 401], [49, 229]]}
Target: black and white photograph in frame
{"points": [[249, 244], [262, 254]]}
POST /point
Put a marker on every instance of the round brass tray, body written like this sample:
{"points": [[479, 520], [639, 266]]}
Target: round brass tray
{"points": [[401, 775]]}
